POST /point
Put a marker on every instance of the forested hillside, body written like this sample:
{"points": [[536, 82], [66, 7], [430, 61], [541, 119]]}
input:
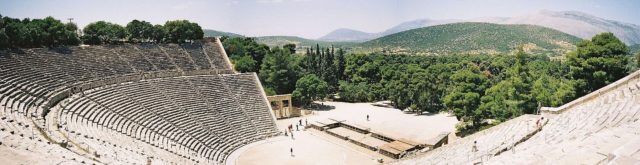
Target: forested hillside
{"points": [[474, 38]]}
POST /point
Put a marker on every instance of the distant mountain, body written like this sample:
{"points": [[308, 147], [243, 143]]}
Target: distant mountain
{"points": [[351, 35], [215, 33], [348, 35], [414, 25], [300, 42], [575, 23], [473, 38], [571, 22]]}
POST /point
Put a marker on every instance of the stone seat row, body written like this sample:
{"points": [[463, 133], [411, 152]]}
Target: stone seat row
{"points": [[487, 143], [594, 129], [206, 115], [39, 73]]}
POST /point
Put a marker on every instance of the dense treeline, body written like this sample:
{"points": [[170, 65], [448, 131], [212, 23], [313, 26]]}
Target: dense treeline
{"points": [[31, 33], [50, 32], [177, 31], [282, 70]]}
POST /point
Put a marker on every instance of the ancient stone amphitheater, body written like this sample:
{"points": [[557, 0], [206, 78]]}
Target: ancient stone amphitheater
{"points": [[183, 104], [128, 104]]}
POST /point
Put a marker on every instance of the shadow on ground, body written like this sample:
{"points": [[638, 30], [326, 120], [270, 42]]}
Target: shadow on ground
{"points": [[319, 107]]}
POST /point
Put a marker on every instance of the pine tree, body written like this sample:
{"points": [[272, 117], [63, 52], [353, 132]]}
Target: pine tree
{"points": [[340, 64]]}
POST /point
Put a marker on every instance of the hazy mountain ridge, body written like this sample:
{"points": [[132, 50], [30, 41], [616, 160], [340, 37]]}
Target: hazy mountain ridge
{"points": [[351, 35], [579, 24], [345, 34], [571, 22]]}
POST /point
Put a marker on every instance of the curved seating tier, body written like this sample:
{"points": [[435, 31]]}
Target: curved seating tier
{"points": [[129, 104], [488, 142], [203, 118], [602, 129], [30, 77]]}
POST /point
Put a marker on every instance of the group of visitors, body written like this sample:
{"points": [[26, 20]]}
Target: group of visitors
{"points": [[290, 131]]}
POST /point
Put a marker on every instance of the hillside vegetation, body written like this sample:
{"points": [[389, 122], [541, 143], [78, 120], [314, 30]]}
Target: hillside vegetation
{"points": [[634, 48], [215, 33], [474, 38], [301, 43]]}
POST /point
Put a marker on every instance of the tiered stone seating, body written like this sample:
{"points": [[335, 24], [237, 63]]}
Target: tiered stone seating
{"points": [[488, 143], [134, 58], [179, 56], [157, 56], [197, 54], [207, 116], [120, 105], [216, 55], [245, 90], [599, 128]]}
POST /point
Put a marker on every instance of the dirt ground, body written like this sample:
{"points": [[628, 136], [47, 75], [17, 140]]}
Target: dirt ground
{"points": [[314, 147]]}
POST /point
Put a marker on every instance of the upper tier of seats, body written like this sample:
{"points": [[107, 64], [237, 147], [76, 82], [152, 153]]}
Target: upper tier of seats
{"points": [[32, 77], [602, 127], [599, 128]]}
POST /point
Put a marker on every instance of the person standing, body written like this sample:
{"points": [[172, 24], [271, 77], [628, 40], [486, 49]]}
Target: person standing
{"points": [[475, 147], [367, 117]]}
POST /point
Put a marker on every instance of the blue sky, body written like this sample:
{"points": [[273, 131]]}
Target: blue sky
{"points": [[306, 18]]}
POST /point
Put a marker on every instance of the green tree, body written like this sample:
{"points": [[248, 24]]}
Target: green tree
{"points": [[309, 88], [279, 70], [549, 91], [290, 47], [30, 33], [464, 99], [340, 64], [70, 36], [102, 32], [244, 64], [138, 31], [638, 59], [597, 62], [158, 33], [180, 31], [507, 99], [4, 39]]}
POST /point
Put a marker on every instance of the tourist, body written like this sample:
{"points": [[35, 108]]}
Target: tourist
{"points": [[300, 121], [475, 147], [291, 150], [367, 117], [297, 128], [306, 122]]}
